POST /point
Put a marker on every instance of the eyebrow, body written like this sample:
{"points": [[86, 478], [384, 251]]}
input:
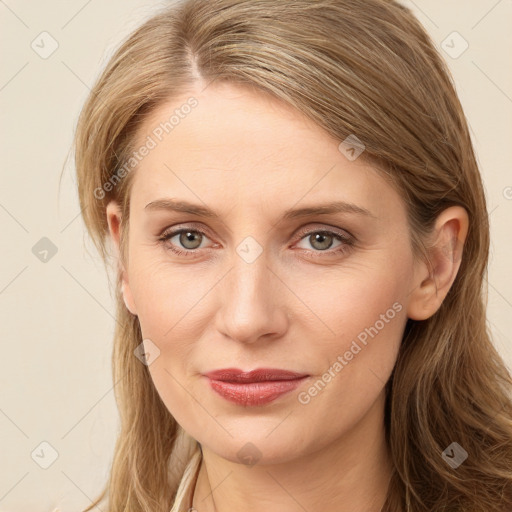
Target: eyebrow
{"points": [[203, 211]]}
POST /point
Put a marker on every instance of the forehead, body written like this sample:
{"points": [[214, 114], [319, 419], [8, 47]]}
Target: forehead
{"points": [[239, 145]]}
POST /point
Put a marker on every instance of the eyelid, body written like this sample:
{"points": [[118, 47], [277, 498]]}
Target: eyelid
{"points": [[342, 233], [192, 226]]}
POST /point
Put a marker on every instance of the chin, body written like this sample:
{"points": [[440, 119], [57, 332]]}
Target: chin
{"points": [[259, 448]]}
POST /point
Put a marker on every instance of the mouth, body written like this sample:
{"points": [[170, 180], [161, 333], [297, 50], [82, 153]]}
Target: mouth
{"points": [[257, 387]]}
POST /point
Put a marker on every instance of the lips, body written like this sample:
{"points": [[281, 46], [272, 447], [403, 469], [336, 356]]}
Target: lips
{"points": [[257, 387], [259, 375]]}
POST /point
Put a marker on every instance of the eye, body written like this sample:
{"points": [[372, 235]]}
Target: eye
{"points": [[323, 240], [189, 239]]}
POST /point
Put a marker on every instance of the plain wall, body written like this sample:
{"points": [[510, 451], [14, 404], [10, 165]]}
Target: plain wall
{"points": [[57, 316]]}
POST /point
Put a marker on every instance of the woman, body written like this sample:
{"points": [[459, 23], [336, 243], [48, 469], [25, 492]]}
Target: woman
{"points": [[301, 237]]}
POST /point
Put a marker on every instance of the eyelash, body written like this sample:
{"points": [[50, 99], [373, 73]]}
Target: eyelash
{"points": [[347, 242]]}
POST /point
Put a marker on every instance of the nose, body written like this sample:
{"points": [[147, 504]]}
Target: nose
{"points": [[253, 302]]}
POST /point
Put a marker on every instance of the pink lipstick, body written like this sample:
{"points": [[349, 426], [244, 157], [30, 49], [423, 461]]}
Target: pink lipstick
{"points": [[257, 387]]}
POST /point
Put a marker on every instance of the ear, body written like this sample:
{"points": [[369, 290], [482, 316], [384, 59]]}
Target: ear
{"points": [[114, 225], [432, 283]]}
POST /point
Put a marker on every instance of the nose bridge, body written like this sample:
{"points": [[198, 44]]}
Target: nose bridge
{"points": [[250, 279], [249, 308], [249, 285]]}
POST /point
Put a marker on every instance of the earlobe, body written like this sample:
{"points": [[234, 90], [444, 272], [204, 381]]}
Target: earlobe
{"points": [[128, 298], [113, 213], [433, 281]]}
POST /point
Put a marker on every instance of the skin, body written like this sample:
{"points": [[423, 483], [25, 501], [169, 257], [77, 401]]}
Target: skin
{"points": [[249, 157]]}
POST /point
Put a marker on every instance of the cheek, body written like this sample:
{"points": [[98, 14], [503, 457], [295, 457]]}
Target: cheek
{"points": [[167, 295], [368, 325], [355, 362], [350, 301], [363, 316]]}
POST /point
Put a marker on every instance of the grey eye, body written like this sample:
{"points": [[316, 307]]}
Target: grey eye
{"points": [[189, 239], [321, 241]]}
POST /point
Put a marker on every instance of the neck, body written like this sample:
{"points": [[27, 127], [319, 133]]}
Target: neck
{"points": [[349, 475]]}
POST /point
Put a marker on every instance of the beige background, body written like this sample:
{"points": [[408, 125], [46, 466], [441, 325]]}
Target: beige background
{"points": [[56, 316]]}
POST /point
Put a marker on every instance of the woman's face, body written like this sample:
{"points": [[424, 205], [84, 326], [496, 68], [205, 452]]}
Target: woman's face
{"points": [[263, 279]]}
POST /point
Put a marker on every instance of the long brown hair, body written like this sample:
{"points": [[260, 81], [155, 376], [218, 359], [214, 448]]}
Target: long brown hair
{"points": [[363, 67]]}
